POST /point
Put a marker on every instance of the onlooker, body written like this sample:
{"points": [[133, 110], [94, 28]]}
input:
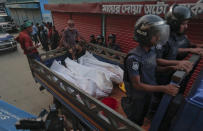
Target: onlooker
{"points": [[24, 38], [49, 32], [35, 33], [54, 38], [70, 35], [100, 41], [43, 38], [112, 43], [92, 39]]}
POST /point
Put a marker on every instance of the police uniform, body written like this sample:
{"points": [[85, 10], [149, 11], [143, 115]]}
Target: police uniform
{"points": [[140, 63], [169, 51]]}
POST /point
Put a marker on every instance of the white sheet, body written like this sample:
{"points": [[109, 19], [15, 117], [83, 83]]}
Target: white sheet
{"points": [[113, 72], [86, 84], [91, 75]]}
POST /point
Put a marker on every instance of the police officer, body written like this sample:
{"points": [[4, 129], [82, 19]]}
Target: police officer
{"points": [[178, 44], [140, 66], [92, 39], [112, 43], [100, 40]]}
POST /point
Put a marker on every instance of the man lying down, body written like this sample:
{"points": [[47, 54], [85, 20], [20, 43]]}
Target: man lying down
{"points": [[89, 74]]}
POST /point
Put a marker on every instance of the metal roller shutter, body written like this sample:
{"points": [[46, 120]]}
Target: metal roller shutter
{"points": [[195, 31], [19, 15], [123, 27], [87, 24], [60, 20]]}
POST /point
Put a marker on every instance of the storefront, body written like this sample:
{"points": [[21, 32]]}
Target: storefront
{"points": [[119, 18], [29, 9]]}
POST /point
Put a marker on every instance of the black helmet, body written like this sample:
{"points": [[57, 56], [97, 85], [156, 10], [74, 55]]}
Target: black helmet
{"points": [[92, 35], [176, 15], [148, 26], [100, 37], [113, 37]]}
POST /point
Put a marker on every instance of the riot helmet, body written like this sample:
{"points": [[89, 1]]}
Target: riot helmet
{"points": [[100, 40], [176, 15], [113, 37], [100, 37], [148, 27]]}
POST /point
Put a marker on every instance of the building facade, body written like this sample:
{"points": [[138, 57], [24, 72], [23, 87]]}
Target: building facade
{"points": [[118, 17], [33, 10]]}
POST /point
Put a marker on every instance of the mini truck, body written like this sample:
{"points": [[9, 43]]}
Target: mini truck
{"points": [[88, 113]]}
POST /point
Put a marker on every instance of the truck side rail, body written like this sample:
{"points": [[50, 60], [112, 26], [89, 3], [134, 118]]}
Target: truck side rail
{"points": [[85, 107], [177, 78], [113, 55], [52, 54]]}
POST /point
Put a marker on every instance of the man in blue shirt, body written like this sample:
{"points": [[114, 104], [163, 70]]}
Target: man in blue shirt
{"points": [[140, 67], [35, 33]]}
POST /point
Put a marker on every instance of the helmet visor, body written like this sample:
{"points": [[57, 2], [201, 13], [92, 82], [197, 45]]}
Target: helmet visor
{"points": [[162, 32]]}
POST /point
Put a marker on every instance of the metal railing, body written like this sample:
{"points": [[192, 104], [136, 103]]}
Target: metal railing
{"points": [[88, 109]]}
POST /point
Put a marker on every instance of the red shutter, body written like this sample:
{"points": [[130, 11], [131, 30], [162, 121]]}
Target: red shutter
{"points": [[123, 27], [60, 20], [195, 31], [87, 24]]}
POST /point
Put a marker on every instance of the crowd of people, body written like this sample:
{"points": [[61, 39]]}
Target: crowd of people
{"points": [[46, 34]]}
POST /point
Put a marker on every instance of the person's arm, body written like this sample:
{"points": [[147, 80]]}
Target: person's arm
{"points": [[61, 42], [80, 36], [198, 51], [196, 45], [168, 89], [166, 68], [165, 62], [27, 45], [165, 65], [30, 48]]}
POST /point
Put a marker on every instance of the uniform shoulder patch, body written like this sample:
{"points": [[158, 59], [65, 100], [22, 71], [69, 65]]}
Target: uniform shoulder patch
{"points": [[158, 46], [135, 66]]}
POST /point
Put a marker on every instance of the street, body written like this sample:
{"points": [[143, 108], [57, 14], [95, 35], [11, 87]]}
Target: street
{"points": [[17, 87]]}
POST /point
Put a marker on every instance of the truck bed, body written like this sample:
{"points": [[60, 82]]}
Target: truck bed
{"points": [[87, 109]]}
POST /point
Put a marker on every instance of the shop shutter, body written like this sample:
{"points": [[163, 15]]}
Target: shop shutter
{"points": [[87, 24], [60, 20], [123, 27], [195, 31]]}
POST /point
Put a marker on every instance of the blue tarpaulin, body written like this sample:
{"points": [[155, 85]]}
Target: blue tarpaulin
{"points": [[9, 115]]}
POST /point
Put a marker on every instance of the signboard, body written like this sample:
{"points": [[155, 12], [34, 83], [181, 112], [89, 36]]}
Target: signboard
{"points": [[157, 9]]}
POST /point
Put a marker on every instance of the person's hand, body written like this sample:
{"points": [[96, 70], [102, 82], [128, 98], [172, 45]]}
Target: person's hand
{"points": [[58, 47], [38, 45], [184, 65], [171, 89], [198, 51]]}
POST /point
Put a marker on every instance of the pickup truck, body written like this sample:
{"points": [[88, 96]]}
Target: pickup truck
{"points": [[88, 113]]}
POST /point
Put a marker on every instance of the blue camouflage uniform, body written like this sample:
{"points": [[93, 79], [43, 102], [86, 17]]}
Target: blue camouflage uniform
{"points": [[140, 63]]}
